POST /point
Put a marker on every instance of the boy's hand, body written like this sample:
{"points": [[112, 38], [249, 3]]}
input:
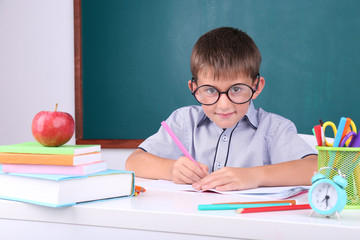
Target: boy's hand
{"points": [[229, 178], [184, 171]]}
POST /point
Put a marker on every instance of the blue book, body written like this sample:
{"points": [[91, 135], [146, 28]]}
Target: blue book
{"points": [[66, 190]]}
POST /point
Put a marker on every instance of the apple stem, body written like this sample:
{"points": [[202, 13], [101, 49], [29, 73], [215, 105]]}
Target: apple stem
{"points": [[56, 107]]}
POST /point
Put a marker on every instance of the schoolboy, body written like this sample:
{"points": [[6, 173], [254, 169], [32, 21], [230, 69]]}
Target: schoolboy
{"points": [[236, 146]]}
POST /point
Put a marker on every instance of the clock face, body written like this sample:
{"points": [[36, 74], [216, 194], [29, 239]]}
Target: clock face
{"points": [[324, 196]]}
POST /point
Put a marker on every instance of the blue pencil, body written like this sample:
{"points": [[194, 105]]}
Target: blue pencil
{"points": [[202, 207]]}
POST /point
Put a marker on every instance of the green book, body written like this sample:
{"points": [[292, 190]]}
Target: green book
{"points": [[37, 148]]}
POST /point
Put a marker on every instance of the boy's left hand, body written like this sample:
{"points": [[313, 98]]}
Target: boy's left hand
{"points": [[229, 178]]}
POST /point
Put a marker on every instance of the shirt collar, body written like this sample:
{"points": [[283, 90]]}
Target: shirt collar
{"points": [[203, 119], [250, 116]]}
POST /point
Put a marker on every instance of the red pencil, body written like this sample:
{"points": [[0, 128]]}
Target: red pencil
{"points": [[317, 130], [275, 208]]}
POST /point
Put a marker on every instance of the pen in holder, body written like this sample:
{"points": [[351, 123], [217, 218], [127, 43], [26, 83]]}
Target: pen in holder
{"points": [[347, 160]]}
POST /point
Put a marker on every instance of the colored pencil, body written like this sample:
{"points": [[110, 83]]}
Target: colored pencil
{"points": [[237, 206], [272, 209], [139, 190], [292, 202], [178, 143], [317, 130]]}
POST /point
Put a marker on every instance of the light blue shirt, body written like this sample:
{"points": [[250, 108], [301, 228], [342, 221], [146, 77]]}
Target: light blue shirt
{"points": [[259, 138]]}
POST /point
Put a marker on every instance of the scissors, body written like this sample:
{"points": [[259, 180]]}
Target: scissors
{"points": [[345, 130], [354, 140]]}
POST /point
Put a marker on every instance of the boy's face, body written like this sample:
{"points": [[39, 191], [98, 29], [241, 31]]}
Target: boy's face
{"points": [[225, 113]]}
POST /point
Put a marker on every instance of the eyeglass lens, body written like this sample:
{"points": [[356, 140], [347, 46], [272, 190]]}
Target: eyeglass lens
{"points": [[238, 93]]}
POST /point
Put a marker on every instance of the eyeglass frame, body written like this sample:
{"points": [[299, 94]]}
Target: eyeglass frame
{"points": [[193, 80]]}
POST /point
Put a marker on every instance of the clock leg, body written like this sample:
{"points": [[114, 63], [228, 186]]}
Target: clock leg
{"points": [[337, 215], [311, 212]]}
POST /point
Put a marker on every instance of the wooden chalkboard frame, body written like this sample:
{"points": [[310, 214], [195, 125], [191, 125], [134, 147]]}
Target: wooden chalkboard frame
{"points": [[79, 136]]}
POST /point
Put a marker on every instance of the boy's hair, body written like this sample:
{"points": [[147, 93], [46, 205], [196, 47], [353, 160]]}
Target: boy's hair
{"points": [[225, 52]]}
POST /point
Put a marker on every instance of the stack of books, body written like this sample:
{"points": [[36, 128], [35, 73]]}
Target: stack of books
{"points": [[59, 176]]}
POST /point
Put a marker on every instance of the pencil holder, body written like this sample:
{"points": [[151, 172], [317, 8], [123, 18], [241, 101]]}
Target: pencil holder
{"points": [[347, 160]]}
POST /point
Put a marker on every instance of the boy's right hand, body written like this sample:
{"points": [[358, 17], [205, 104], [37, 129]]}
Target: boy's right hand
{"points": [[184, 171]]}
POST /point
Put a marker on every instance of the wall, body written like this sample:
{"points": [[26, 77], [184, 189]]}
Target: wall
{"points": [[37, 67]]}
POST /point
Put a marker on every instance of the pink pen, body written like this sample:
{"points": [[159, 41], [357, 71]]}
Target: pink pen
{"points": [[177, 141]]}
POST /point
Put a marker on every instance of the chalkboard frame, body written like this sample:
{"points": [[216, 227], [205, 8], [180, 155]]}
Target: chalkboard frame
{"points": [[79, 136]]}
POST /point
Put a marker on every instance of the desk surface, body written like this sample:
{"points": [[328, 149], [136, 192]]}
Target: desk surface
{"points": [[176, 212]]}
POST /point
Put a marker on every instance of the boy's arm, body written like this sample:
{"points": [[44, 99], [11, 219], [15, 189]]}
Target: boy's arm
{"points": [[147, 165], [296, 172]]}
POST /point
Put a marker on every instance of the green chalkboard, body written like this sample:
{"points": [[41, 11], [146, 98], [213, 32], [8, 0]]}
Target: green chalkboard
{"points": [[136, 59]]}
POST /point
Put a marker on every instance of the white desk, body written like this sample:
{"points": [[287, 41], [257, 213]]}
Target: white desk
{"points": [[159, 214]]}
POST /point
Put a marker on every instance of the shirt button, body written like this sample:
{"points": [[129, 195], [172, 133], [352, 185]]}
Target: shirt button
{"points": [[219, 165], [225, 138]]}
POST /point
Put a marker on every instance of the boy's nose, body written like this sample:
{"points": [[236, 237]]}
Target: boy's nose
{"points": [[224, 101]]}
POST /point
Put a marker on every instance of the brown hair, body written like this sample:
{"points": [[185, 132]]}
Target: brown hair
{"points": [[225, 52]]}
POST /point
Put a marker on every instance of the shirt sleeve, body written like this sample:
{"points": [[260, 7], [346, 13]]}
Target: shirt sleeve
{"points": [[161, 144], [285, 143]]}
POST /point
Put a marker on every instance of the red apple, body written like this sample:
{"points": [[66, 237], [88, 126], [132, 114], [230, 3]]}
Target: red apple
{"points": [[53, 128]]}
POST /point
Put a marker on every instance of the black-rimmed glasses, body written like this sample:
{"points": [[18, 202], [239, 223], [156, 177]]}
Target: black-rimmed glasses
{"points": [[239, 93]]}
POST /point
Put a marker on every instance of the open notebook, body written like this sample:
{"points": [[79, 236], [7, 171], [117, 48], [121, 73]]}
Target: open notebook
{"points": [[267, 192]]}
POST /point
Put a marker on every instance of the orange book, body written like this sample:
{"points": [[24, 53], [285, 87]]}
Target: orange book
{"points": [[50, 159]]}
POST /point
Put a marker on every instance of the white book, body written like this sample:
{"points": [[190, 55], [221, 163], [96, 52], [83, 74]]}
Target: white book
{"points": [[65, 190]]}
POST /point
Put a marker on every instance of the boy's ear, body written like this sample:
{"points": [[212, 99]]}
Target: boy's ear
{"points": [[261, 86], [189, 84]]}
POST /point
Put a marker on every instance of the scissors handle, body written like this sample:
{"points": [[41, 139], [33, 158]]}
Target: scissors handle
{"points": [[355, 142], [333, 126], [347, 136], [353, 126]]}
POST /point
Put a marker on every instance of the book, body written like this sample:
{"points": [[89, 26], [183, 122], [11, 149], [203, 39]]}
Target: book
{"points": [[37, 148], [50, 159], [84, 169], [65, 190]]}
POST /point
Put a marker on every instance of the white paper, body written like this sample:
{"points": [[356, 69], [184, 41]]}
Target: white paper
{"points": [[272, 192]]}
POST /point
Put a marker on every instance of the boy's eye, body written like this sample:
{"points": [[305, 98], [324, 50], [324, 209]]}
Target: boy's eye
{"points": [[210, 90], [236, 89]]}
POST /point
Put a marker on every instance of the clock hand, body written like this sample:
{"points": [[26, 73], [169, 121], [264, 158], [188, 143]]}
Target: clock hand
{"points": [[327, 190], [327, 198]]}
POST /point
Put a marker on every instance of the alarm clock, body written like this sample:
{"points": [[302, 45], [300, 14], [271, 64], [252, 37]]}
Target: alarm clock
{"points": [[326, 196]]}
